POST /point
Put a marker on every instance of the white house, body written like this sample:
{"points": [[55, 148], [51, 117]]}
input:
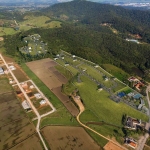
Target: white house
{"points": [[38, 95]]}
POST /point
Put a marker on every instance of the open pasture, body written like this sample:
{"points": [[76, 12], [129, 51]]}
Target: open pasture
{"points": [[38, 21], [60, 117], [66, 138], [7, 31]]}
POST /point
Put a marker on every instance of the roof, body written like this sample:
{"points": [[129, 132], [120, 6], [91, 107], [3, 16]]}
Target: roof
{"points": [[132, 144], [142, 102], [121, 94], [42, 102], [140, 106], [25, 104], [137, 96]]}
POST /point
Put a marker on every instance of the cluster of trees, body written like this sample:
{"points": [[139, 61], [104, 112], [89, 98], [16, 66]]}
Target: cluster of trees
{"points": [[98, 47]]}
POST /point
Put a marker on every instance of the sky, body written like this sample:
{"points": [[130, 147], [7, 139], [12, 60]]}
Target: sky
{"points": [[112, 1]]}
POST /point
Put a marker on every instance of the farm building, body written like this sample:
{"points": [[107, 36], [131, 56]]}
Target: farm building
{"points": [[1, 71], [26, 105]]}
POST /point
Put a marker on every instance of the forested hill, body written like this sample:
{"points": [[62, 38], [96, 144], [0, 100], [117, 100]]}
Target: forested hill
{"points": [[90, 13]]}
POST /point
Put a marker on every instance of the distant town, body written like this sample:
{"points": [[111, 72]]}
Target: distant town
{"points": [[147, 5]]}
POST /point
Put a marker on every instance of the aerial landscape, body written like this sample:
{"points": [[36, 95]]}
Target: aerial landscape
{"points": [[75, 75]]}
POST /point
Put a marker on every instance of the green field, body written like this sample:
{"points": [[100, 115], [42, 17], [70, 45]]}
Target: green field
{"points": [[7, 31], [117, 72], [36, 22], [100, 108], [60, 117]]}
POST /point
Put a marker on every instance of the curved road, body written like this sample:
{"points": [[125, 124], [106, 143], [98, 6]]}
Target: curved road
{"points": [[79, 103]]}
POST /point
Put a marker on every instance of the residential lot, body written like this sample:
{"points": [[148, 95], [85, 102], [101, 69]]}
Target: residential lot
{"points": [[67, 138], [46, 72]]}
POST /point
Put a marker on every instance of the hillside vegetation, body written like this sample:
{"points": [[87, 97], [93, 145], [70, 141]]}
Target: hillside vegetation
{"points": [[84, 34]]}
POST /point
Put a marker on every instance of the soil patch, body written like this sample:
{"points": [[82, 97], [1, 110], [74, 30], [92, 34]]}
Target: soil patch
{"points": [[60, 77], [111, 146], [66, 101], [67, 138]]}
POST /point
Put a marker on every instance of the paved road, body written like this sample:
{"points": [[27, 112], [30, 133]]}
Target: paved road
{"points": [[27, 98], [148, 100], [142, 142], [144, 138]]}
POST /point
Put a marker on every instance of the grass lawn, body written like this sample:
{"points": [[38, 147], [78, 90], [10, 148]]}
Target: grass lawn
{"points": [[59, 117], [117, 72], [126, 90]]}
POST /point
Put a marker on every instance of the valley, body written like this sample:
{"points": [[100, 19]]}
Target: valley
{"points": [[75, 68]]}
